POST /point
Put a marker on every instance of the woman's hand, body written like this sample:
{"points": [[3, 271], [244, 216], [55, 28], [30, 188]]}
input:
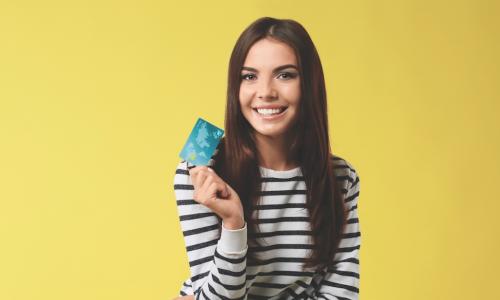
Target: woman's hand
{"points": [[188, 297], [211, 191]]}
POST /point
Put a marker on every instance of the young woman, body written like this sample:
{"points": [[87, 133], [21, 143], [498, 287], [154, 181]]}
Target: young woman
{"points": [[274, 215]]}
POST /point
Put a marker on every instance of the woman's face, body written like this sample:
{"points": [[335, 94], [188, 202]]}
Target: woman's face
{"points": [[270, 80]]}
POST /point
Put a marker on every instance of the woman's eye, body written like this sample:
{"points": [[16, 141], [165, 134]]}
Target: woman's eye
{"points": [[288, 75], [245, 76]]}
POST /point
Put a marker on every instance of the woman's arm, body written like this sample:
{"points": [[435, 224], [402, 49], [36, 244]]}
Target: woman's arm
{"points": [[341, 282], [217, 255]]}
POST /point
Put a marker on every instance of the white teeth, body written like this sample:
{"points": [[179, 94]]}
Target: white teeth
{"points": [[266, 111]]}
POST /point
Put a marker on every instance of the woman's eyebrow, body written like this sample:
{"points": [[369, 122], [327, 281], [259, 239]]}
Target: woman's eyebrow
{"points": [[275, 69]]}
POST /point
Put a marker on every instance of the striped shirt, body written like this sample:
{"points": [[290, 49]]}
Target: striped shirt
{"points": [[217, 256]]}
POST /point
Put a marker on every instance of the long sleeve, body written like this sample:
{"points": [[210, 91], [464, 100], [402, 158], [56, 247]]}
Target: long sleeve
{"points": [[186, 288], [341, 282], [217, 256]]}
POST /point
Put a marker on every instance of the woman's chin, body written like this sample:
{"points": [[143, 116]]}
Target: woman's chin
{"points": [[269, 133]]}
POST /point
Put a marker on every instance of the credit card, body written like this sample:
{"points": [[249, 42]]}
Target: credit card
{"points": [[201, 143]]}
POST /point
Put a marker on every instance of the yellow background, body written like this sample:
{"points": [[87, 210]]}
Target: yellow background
{"points": [[98, 97]]}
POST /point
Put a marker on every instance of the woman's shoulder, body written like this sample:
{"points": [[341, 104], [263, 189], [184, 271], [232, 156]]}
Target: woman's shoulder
{"points": [[344, 170]]}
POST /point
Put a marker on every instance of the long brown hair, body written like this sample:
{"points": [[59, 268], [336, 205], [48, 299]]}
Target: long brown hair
{"points": [[236, 161]]}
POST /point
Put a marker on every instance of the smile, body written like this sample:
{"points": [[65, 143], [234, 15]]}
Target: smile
{"points": [[270, 114]]}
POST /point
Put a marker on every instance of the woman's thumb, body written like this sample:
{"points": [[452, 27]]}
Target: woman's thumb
{"points": [[226, 192]]}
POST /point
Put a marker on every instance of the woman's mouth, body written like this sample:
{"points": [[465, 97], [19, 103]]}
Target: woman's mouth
{"points": [[270, 114]]}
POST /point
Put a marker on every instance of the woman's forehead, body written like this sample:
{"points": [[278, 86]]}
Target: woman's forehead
{"points": [[267, 53]]}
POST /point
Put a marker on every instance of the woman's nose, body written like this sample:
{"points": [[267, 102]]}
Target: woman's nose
{"points": [[266, 90]]}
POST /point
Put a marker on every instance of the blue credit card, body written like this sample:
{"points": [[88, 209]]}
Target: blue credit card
{"points": [[201, 143]]}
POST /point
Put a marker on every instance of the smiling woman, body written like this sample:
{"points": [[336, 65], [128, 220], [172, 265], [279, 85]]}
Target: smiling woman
{"points": [[274, 214], [269, 95]]}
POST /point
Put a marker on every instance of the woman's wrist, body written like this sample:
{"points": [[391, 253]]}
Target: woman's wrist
{"points": [[234, 223], [233, 237]]}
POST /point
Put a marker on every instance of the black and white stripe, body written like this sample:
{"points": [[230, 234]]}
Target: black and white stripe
{"points": [[285, 241]]}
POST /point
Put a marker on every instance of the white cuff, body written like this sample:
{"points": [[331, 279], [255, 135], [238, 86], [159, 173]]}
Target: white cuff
{"points": [[233, 241]]}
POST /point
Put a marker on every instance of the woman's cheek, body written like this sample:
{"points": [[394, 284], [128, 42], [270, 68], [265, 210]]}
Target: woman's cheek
{"points": [[243, 91]]}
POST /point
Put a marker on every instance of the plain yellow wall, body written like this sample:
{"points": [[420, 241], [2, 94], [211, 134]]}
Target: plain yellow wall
{"points": [[98, 97]]}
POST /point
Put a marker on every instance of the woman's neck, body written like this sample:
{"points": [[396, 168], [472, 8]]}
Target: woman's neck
{"points": [[274, 153]]}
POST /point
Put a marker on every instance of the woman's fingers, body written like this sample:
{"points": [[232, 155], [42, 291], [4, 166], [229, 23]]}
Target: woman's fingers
{"points": [[208, 193], [203, 193], [198, 175], [218, 189], [207, 185], [223, 188], [197, 178], [215, 186]]}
